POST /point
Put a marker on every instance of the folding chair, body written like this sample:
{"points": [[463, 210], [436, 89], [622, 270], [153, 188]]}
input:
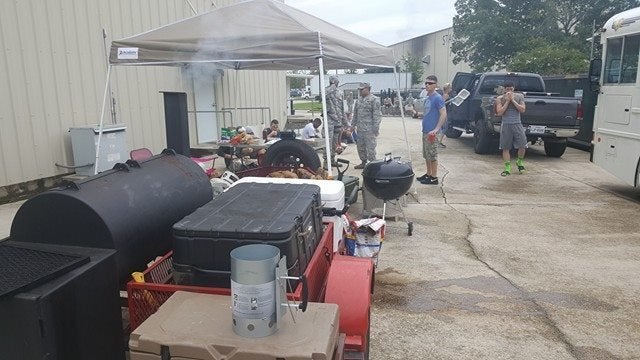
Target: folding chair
{"points": [[140, 154]]}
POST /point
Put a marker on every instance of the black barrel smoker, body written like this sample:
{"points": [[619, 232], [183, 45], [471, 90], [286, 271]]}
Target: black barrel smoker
{"points": [[130, 208], [388, 180]]}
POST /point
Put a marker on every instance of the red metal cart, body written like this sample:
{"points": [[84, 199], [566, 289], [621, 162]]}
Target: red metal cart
{"points": [[343, 280]]}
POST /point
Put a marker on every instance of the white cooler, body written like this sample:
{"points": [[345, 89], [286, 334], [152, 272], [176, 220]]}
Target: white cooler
{"points": [[331, 195]]}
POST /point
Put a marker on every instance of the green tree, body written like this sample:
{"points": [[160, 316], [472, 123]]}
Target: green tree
{"points": [[412, 64], [549, 59], [297, 83], [488, 34], [576, 18]]}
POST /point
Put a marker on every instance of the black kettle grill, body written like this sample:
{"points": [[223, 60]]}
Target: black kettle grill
{"points": [[389, 179]]}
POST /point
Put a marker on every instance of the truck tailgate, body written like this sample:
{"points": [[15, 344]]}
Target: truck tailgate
{"points": [[551, 111]]}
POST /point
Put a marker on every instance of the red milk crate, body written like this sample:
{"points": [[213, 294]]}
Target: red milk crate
{"points": [[144, 298]]}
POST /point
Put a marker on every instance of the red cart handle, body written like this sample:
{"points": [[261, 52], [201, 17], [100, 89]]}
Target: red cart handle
{"points": [[305, 294]]}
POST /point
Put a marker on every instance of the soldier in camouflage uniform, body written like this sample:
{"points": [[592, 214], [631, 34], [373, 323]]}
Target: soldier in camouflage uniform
{"points": [[367, 115], [335, 113]]}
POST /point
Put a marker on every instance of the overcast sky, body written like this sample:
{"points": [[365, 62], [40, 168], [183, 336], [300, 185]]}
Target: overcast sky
{"points": [[383, 21]]}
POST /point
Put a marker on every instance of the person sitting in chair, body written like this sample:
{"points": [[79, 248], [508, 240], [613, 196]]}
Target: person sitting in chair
{"points": [[310, 130], [272, 131]]}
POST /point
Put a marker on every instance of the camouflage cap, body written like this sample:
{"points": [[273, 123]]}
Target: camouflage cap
{"points": [[333, 79], [364, 85]]}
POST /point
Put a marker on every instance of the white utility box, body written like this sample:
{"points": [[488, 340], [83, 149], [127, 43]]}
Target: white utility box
{"points": [[113, 147]]}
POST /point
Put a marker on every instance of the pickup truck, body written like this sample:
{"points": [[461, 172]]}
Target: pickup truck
{"points": [[548, 117]]}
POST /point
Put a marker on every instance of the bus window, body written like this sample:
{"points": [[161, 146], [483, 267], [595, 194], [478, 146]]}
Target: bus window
{"points": [[612, 61], [629, 68]]}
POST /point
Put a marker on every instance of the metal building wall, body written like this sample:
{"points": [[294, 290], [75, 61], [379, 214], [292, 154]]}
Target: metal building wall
{"points": [[434, 48], [251, 107], [53, 70]]}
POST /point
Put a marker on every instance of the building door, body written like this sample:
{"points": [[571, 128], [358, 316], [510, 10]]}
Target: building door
{"points": [[205, 106]]}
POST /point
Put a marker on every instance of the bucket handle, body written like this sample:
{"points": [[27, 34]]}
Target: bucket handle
{"points": [[302, 235], [305, 290]]}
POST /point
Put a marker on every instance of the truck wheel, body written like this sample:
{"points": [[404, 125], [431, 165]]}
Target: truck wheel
{"points": [[292, 153], [555, 148], [452, 133], [482, 142]]}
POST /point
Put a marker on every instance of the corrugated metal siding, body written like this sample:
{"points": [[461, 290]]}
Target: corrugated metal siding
{"points": [[437, 45], [254, 89], [53, 70]]}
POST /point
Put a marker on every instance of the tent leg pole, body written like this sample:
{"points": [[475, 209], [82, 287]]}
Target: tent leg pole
{"points": [[324, 115], [404, 126], [413, 190], [235, 99], [100, 127]]}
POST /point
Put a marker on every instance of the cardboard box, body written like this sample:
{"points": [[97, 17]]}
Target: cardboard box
{"points": [[191, 326]]}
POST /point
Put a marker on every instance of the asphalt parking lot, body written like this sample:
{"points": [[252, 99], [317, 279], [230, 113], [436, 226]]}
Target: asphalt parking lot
{"points": [[537, 266]]}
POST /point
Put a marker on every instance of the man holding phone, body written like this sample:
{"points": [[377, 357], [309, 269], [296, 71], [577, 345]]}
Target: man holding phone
{"points": [[509, 106]]}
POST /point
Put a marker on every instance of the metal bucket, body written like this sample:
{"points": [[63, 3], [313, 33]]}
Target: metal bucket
{"points": [[253, 290]]}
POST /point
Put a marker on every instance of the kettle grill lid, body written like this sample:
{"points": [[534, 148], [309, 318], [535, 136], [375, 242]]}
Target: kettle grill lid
{"points": [[387, 169]]}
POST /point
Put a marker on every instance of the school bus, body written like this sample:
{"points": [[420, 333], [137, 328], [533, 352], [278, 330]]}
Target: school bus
{"points": [[616, 128]]}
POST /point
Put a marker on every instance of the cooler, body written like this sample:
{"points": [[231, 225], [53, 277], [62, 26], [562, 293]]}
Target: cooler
{"points": [[332, 195], [287, 216]]}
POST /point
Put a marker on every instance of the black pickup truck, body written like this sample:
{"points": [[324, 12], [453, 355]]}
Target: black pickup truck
{"points": [[548, 117]]}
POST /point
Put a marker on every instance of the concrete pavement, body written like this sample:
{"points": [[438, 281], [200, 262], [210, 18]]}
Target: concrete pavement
{"points": [[7, 212], [537, 266]]}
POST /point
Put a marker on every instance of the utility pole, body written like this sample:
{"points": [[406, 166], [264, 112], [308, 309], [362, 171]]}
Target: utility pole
{"points": [[593, 38]]}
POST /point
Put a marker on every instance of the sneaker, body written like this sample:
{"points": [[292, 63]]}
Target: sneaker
{"points": [[429, 181], [505, 173], [361, 166], [521, 169], [423, 177]]}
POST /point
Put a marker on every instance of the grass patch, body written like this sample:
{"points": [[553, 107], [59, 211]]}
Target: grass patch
{"points": [[307, 105]]}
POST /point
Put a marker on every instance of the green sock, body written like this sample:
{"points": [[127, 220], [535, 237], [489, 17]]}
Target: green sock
{"points": [[507, 166], [520, 161]]}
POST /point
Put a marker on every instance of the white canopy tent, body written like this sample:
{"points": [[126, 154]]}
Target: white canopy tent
{"points": [[252, 35]]}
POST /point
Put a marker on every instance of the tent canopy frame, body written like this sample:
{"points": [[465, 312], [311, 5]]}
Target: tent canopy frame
{"points": [[285, 39]]}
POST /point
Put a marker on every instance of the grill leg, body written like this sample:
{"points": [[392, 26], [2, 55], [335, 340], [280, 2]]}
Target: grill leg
{"points": [[384, 209], [402, 210]]}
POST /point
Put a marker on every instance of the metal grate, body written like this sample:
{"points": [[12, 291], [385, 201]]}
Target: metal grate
{"points": [[22, 267]]}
